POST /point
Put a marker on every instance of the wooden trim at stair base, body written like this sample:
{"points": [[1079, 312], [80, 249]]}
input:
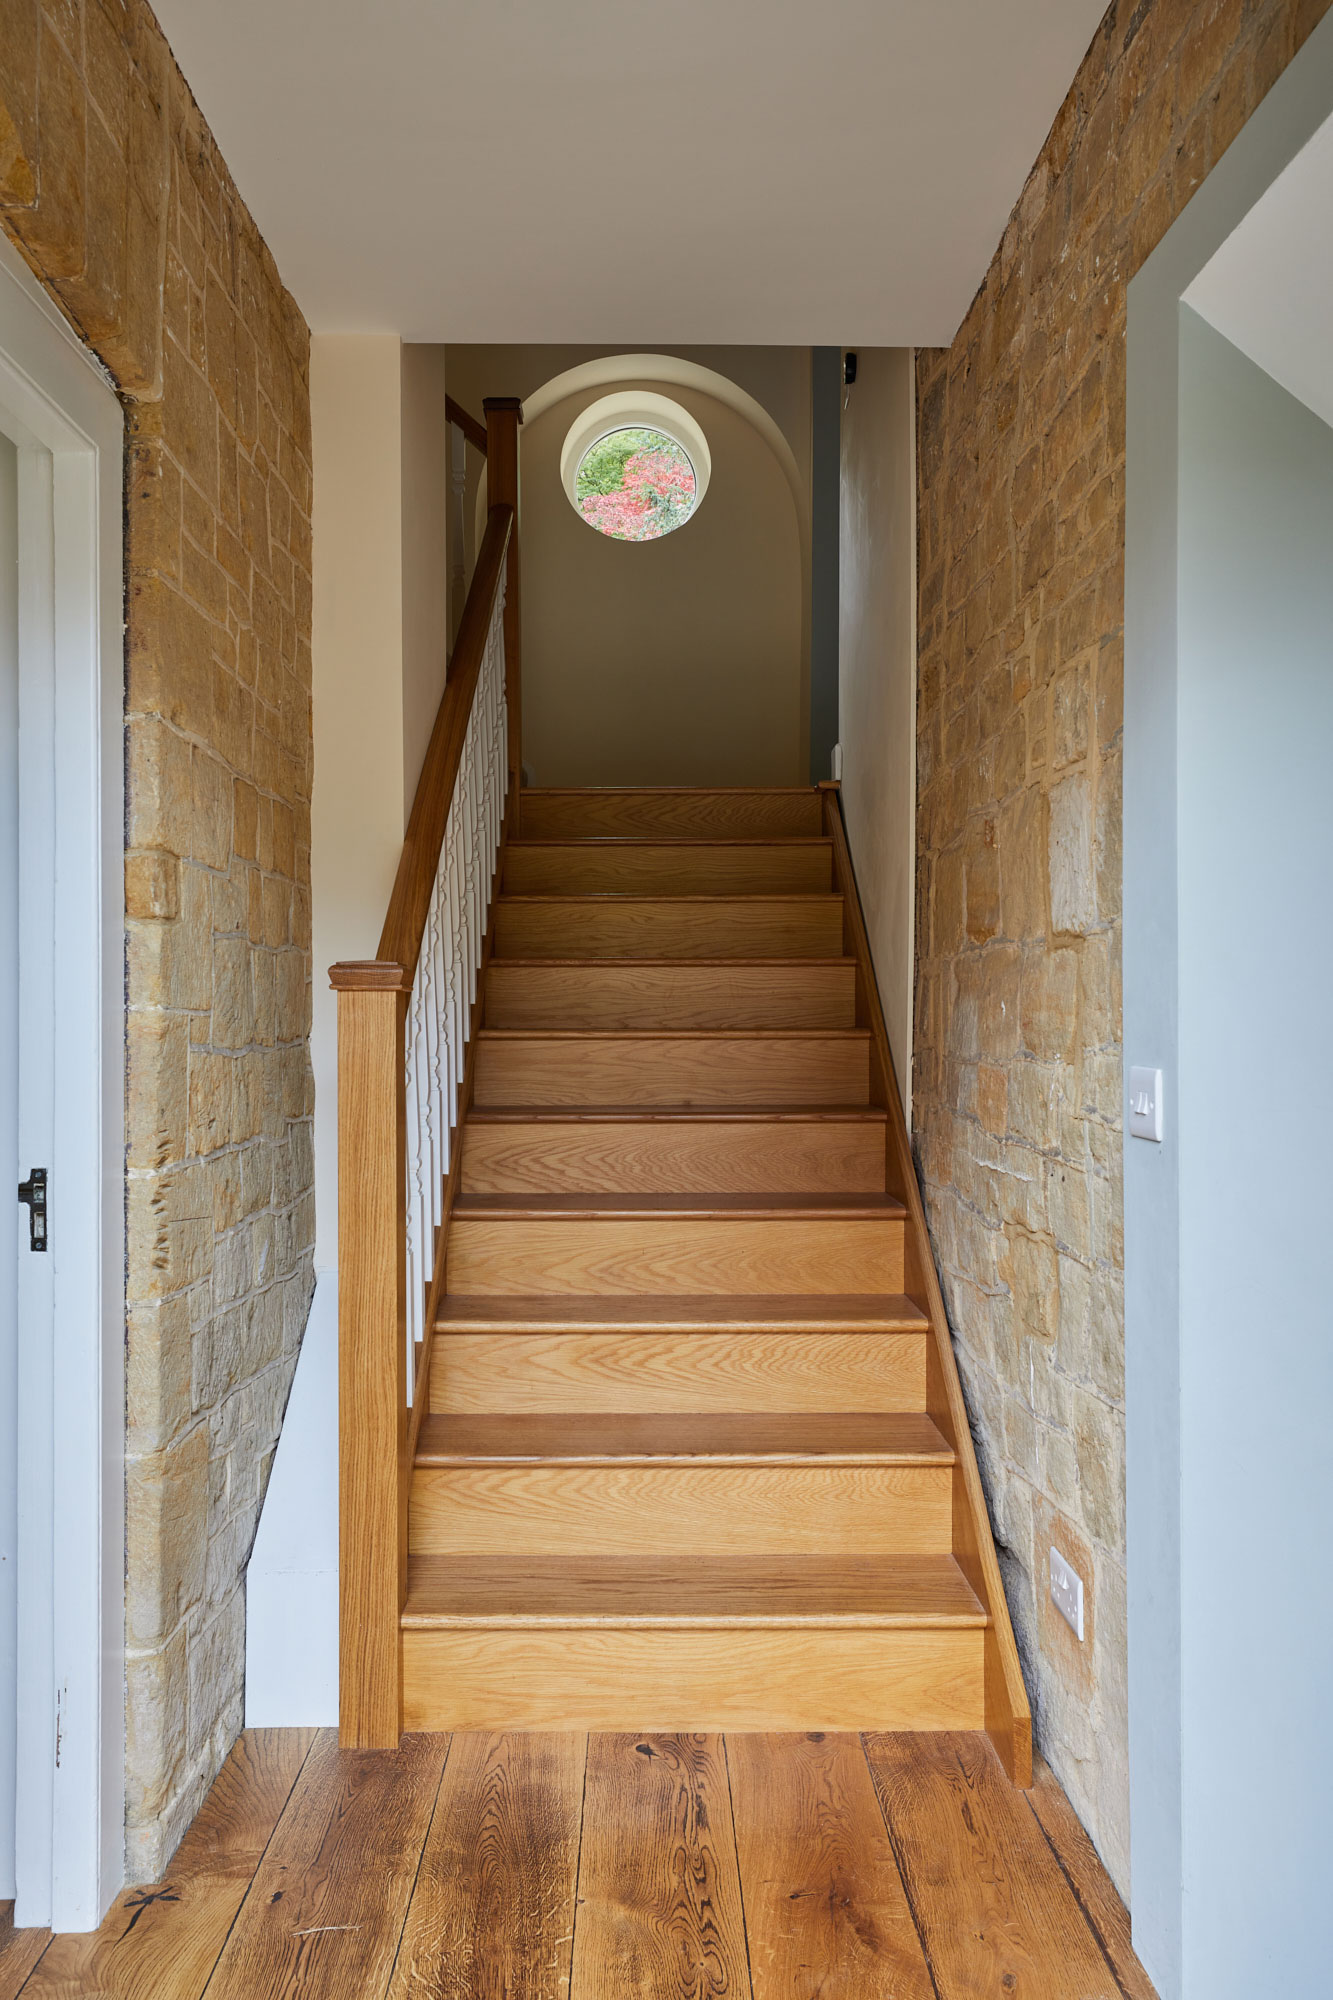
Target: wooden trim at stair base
{"points": [[373, 1462], [1008, 1717], [694, 1680]]}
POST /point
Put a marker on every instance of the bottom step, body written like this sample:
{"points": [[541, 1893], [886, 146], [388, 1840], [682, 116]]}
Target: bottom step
{"points": [[782, 1643]]}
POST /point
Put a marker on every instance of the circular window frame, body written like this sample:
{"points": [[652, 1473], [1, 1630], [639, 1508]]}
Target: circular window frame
{"points": [[635, 409]]}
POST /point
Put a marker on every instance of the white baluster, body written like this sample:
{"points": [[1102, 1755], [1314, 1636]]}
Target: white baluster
{"points": [[444, 988]]}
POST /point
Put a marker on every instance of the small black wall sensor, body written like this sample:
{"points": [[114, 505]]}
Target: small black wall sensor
{"points": [[849, 369]]}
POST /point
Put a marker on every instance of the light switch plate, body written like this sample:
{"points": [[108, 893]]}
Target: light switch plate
{"points": [[1067, 1592], [1145, 1104]]}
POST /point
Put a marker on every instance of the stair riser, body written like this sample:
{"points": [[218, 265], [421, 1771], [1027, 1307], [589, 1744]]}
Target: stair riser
{"points": [[665, 1157], [694, 1680], [671, 996], [787, 1509], [715, 1069], [480, 1373], [673, 1257], [668, 928], [669, 815], [692, 870]]}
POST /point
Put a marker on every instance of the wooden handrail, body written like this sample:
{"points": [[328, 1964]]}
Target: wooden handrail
{"points": [[384, 1231], [409, 905], [472, 430]]}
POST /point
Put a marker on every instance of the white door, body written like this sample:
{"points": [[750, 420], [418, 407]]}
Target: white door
{"points": [[62, 1317], [9, 1215]]}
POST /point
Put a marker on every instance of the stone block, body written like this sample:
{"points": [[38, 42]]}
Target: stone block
{"points": [[166, 1537], [1073, 890], [156, 1082], [1048, 1003], [1029, 1267]]}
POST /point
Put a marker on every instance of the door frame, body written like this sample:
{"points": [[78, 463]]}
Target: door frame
{"points": [[1299, 102], [63, 414]]}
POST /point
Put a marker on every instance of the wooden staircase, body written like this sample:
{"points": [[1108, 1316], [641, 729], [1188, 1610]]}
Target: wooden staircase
{"points": [[693, 1453]]}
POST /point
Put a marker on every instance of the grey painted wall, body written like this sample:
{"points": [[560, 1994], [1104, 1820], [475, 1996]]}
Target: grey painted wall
{"points": [[1255, 1114], [1225, 779]]}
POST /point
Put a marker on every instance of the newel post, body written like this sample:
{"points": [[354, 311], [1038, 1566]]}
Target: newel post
{"points": [[372, 1353], [503, 415]]}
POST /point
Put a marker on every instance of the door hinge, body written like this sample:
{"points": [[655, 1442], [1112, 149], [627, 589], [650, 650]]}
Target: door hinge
{"points": [[33, 1192]]}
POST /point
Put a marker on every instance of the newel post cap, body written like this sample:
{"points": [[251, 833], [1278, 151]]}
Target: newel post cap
{"points": [[369, 975]]}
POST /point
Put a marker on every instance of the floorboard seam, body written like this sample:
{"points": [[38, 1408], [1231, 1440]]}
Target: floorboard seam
{"points": [[421, 1857], [578, 1872], [1084, 1911], [894, 1849], [259, 1862], [740, 1877]]}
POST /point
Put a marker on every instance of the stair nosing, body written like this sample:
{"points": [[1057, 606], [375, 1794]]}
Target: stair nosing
{"points": [[842, 961], [853, 1034], [742, 1207], [587, 842], [432, 1456], [464, 1312], [685, 1114], [971, 1617]]}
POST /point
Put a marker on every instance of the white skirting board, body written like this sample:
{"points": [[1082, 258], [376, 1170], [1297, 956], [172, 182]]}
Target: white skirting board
{"points": [[291, 1637]]}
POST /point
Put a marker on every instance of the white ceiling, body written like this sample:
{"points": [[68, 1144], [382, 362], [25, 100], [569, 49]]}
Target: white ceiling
{"points": [[1269, 289], [746, 171]]}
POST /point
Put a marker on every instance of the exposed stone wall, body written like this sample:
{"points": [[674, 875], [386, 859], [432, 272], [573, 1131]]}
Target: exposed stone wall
{"points": [[1018, 1061], [114, 191]]}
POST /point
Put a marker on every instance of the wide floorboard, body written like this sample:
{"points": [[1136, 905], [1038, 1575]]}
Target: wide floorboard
{"points": [[573, 1867]]}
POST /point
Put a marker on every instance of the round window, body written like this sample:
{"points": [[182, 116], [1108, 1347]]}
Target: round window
{"points": [[635, 484]]}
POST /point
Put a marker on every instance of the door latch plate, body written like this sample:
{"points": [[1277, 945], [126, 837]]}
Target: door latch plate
{"points": [[33, 1193]]}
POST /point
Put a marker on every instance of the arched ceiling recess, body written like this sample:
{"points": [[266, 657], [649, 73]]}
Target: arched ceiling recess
{"points": [[661, 371]]}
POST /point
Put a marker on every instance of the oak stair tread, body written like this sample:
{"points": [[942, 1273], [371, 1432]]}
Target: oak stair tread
{"points": [[581, 843], [677, 1207], [704, 896], [692, 1437], [709, 1313], [674, 1034], [670, 1114], [676, 964], [690, 1591]]}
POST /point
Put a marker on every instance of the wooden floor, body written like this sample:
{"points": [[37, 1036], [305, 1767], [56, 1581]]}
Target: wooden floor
{"points": [[570, 1867]]}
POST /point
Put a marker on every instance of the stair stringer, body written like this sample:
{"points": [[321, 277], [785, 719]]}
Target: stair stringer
{"points": [[1008, 1715]]}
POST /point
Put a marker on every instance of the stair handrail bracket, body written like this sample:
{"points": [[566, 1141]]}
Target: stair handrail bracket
{"points": [[404, 1021]]}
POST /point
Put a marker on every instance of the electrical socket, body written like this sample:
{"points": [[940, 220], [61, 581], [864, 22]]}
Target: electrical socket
{"points": [[1067, 1591]]}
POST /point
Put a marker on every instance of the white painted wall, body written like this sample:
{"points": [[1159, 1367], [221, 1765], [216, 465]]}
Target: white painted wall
{"points": [[380, 633], [10, 1213], [877, 673]]}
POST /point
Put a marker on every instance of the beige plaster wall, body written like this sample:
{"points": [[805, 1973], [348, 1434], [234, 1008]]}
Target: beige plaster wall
{"points": [[877, 672], [380, 617], [777, 377], [668, 662], [425, 559]]}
